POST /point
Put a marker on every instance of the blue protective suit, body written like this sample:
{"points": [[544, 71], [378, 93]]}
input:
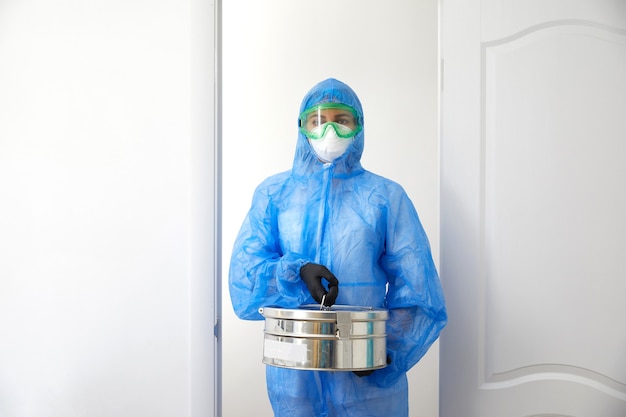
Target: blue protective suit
{"points": [[365, 229]]}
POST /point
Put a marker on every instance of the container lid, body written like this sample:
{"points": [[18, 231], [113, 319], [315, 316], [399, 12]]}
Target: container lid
{"points": [[313, 312]]}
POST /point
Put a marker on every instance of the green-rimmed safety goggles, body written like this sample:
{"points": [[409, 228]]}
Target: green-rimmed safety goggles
{"points": [[315, 120]]}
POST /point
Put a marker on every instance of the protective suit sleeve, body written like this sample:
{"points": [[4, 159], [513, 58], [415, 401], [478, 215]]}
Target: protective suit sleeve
{"points": [[414, 298], [260, 274]]}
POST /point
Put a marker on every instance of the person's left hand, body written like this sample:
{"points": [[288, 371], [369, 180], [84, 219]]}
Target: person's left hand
{"points": [[363, 373], [368, 372]]}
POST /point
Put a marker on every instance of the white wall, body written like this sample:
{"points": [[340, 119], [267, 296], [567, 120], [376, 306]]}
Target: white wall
{"points": [[105, 205], [274, 51]]}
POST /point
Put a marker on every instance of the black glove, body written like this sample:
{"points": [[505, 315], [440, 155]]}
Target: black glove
{"points": [[363, 373], [369, 371], [312, 275]]}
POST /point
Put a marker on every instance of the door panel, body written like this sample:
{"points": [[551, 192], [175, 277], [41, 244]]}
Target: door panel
{"points": [[533, 196]]}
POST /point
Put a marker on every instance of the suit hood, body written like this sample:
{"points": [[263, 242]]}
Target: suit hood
{"points": [[330, 91]]}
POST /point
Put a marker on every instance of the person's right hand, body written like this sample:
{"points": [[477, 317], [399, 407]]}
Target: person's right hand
{"points": [[368, 372], [312, 275]]}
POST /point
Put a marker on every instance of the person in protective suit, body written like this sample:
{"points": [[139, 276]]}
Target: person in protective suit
{"points": [[329, 230]]}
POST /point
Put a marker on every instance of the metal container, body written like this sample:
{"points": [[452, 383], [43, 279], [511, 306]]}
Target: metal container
{"points": [[337, 338]]}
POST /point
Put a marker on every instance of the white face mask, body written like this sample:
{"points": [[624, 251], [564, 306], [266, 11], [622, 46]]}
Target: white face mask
{"points": [[330, 146]]}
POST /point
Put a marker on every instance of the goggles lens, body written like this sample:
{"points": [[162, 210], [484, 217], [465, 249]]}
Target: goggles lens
{"points": [[315, 120]]}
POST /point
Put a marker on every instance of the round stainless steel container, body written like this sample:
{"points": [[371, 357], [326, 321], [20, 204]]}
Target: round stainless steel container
{"points": [[339, 338]]}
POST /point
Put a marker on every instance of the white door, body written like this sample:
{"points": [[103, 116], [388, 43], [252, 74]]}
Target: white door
{"points": [[533, 200]]}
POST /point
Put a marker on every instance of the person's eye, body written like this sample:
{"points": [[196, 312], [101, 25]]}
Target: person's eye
{"points": [[316, 122]]}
